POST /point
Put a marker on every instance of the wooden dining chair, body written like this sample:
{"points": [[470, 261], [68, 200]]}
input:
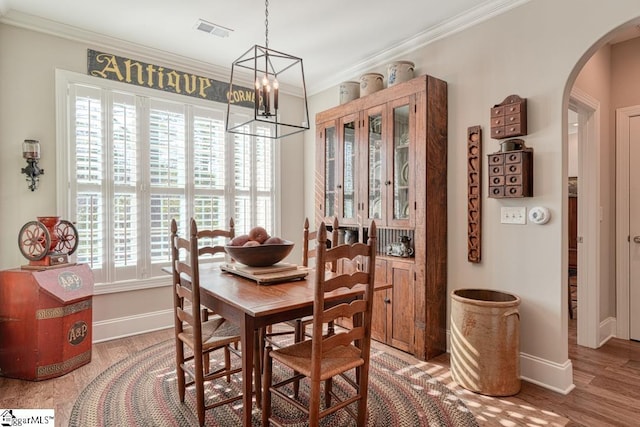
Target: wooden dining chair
{"points": [[209, 243], [308, 252], [192, 331], [324, 357]]}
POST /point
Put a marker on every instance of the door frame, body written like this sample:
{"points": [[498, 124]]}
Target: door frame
{"points": [[588, 109], [623, 317]]}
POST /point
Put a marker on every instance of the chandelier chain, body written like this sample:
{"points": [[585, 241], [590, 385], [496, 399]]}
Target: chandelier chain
{"points": [[266, 24]]}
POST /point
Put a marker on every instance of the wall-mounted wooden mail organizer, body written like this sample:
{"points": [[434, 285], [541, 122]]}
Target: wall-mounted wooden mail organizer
{"points": [[509, 118], [511, 174], [510, 169]]}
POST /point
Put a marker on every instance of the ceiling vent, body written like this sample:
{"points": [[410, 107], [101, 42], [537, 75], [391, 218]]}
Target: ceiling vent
{"points": [[212, 29]]}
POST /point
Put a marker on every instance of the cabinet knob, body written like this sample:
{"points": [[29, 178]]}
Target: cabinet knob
{"points": [[339, 187], [387, 183], [387, 300]]}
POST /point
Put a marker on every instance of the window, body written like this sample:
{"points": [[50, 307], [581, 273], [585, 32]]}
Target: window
{"points": [[137, 158]]}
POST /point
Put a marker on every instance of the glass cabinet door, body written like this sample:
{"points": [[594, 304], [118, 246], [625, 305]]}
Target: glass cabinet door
{"points": [[330, 167], [374, 159], [400, 197], [349, 169]]}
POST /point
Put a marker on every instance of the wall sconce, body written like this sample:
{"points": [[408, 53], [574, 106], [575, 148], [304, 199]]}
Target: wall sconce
{"points": [[31, 152]]}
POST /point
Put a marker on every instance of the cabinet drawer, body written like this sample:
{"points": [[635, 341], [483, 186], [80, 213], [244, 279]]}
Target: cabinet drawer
{"points": [[513, 158], [513, 190], [513, 180], [496, 180], [513, 130], [513, 168], [496, 159], [512, 109], [496, 170], [497, 121], [496, 192], [511, 120], [498, 132], [497, 111]]}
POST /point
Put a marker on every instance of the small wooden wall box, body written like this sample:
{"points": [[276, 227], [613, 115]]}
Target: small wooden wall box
{"points": [[509, 118], [45, 321], [511, 174]]}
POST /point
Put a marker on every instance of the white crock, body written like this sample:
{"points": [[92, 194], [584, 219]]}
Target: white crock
{"points": [[349, 91], [399, 71], [370, 83]]}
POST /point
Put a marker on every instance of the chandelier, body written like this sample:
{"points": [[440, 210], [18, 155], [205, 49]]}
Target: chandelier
{"points": [[276, 104]]}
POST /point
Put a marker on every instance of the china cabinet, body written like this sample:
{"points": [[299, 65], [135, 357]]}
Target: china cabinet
{"points": [[383, 157]]}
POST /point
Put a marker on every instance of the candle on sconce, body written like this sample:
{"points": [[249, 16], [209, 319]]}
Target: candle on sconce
{"points": [[276, 86], [268, 96], [31, 149], [265, 100]]}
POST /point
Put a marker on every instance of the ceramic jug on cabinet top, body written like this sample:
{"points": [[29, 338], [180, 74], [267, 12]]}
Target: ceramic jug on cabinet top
{"points": [[399, 71]]}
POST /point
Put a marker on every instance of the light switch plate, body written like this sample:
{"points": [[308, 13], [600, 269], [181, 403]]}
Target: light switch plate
{"points": [[513, 215]]}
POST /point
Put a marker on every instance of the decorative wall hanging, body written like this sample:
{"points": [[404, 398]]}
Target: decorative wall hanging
{"points": [[510, 169], [474, 192], [138, 73], [31, 153], [509, 118], [511, 173]]}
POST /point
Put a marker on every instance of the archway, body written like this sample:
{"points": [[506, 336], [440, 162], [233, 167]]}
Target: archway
{"points": [[598, 276]]}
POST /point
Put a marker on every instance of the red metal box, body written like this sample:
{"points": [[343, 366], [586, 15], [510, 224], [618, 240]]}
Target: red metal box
{"points": [[45, 321]]}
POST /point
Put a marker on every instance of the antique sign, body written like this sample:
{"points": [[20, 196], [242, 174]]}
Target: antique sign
{"points": [[118, 68]]}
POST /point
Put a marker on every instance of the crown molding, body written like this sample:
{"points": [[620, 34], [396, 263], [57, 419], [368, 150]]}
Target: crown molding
{"points": [[469, 18], [113, 44], [481, 13]]}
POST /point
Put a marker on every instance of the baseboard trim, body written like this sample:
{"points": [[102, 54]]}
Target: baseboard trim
{"points": [[557, 377], [550, 375], [121, 327], [607, 330]]}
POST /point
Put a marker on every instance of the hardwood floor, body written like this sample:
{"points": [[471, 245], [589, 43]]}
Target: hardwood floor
{"points": [[607, 384]]}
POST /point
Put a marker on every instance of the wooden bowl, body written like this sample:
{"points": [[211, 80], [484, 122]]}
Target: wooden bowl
{"points": [[260, 256]]}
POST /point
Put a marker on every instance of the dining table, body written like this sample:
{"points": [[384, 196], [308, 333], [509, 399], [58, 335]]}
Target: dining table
{"points": [[253, 306]]}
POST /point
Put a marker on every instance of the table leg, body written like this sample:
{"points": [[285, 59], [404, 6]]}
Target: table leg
{"points": [[248, 343], [257, 366]]}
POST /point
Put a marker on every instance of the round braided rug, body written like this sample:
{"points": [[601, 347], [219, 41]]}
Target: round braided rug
{"points": [[141, 390]]}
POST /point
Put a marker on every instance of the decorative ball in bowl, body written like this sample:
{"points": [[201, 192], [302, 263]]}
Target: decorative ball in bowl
{"points": [[258, 249], [261, 255]]}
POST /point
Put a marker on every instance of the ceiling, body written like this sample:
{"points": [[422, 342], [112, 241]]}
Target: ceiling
{"points": [[337, 40]]}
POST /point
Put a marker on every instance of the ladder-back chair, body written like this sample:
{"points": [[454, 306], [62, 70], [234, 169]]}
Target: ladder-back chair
{"points": [[324, 357], [192, 331]]}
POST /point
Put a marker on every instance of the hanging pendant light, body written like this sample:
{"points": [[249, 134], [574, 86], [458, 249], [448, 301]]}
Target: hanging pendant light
{"points": [[263, 110]]}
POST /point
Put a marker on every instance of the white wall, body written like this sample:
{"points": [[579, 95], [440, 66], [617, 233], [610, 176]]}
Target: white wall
{"points": [[528, 51]]}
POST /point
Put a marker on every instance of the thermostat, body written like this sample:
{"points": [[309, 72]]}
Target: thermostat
{"points": [[539, 215]]}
